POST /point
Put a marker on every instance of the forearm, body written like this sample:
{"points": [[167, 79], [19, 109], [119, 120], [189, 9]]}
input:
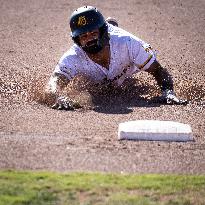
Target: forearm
{"points": [[165, 82], [162, 76], [54, 89]]}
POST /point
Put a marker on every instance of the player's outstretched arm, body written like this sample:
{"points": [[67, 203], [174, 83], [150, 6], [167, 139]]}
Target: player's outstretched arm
{"points": [[165, 82], [54, 95]]}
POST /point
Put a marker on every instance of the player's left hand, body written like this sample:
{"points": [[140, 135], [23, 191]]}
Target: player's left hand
{"points": [[169, 97]]}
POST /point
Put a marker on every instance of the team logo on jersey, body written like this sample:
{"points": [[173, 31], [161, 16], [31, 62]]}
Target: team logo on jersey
{"points": [[82, 21]]}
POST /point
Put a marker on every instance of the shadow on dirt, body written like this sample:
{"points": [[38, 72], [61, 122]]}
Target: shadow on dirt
{"points": [[123, 108], [121, 100], [134, 92]]}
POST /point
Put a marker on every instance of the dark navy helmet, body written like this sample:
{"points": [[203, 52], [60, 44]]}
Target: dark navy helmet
{"points": [[85, 19]]}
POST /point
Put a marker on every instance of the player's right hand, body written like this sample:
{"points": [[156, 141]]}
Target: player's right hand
{"points": [[65, 103]]}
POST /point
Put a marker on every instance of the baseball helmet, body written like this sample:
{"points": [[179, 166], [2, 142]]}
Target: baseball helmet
{"points": [[85, 19]]}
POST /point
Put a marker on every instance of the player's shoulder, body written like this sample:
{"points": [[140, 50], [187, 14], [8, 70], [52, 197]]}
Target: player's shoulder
{"points": [[121, 35], [117, 32]]}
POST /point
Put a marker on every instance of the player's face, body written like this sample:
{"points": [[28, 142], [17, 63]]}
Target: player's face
{"points": [[89, 38]]}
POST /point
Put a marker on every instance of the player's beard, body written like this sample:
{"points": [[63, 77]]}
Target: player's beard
{"points": [[93, 46]]}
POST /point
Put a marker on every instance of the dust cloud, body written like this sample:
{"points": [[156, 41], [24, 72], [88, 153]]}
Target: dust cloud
{"points": [[24, 89]]}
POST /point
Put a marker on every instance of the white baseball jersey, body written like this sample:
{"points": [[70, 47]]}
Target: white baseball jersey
{"points": [[129, 55]]}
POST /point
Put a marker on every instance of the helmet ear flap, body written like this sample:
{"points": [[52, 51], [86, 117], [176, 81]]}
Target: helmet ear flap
{"points": [[103, 30], [76, 40], [104, 35]]}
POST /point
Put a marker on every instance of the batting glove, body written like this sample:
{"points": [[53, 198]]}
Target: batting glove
{"points": [[64, 103], [169, 97]]}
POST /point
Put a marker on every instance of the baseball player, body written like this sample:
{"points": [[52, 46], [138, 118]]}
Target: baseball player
{"points": [[105, 54]]}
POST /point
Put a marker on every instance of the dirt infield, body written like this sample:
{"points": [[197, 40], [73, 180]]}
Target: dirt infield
{"points": [[34, 35]]}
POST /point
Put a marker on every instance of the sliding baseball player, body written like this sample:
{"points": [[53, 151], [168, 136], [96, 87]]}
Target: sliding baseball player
{"points": [[105, 54]]}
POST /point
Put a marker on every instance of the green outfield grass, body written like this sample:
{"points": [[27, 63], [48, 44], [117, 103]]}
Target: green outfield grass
{"points": [[48, 188]]}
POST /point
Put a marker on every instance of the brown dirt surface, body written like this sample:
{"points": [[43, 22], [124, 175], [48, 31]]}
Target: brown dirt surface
{"points": [[34, 35]]}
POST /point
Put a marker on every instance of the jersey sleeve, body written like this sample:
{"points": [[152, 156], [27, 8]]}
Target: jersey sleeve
{"points": [[67, 66], [141, 54]]}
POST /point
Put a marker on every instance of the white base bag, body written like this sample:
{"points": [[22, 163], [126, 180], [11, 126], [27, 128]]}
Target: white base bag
{"points": [[155, 130]]}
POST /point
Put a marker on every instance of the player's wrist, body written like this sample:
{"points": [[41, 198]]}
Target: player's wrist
{"points": [[167, 92]]}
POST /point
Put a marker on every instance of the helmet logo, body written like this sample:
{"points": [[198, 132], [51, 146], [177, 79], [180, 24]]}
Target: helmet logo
{"points": [[82, 21]]}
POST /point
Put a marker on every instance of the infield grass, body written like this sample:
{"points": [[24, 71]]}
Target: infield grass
{"points": [[48, 188]]}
